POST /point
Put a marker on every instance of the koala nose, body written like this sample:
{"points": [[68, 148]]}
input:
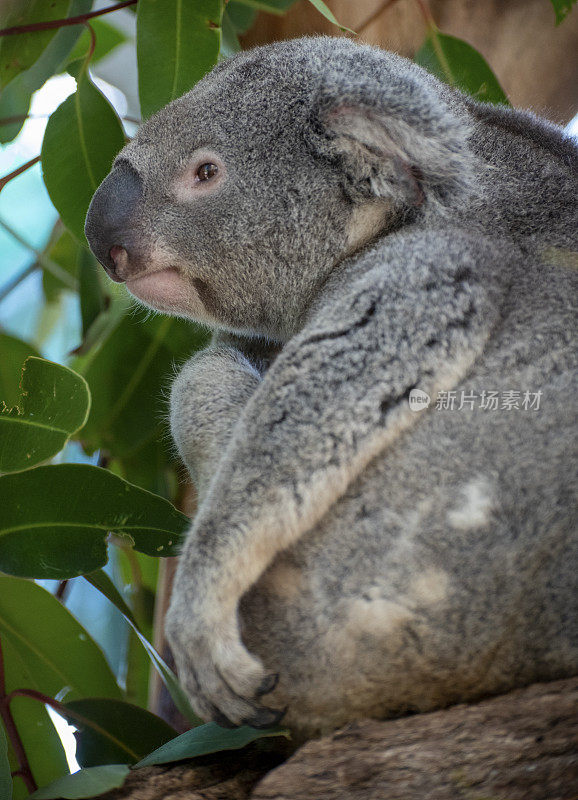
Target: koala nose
{"points": [[108, 222]]}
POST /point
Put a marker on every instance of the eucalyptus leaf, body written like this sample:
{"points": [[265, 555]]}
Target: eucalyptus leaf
{"points": [[328, 14], [19, 51], [103, 583], [277, 7], [177, 43], [456, 62], [81, 140], [209, 738], [111, 731], [15, 98], [54, 404], [54, 520], [128, 372], [562, 8], [44, 648], [84, 783], [13, 354]]}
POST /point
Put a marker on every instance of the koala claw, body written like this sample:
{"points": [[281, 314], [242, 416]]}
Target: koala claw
{"points": [[222, 679], [268, 683]]}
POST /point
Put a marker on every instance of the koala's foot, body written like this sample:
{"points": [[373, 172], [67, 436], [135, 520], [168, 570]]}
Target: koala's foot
{"points": [[222, 679]]}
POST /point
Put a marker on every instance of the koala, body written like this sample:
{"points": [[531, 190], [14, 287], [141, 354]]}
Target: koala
{"points": [[382, 430]]}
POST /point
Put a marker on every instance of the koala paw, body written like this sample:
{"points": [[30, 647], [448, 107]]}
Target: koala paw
{"points": [[222, 679]]}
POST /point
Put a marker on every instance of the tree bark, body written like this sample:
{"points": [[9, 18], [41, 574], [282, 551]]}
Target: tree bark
{"points": [[519, 746]]}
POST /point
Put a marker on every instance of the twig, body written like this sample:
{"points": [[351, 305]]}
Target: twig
{"points": [[18, 280], [375, 14], [61, 23], [24, 770], [7, 178], [46, 263]]}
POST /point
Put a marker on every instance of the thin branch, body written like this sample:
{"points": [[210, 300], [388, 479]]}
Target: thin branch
{"points": [[18, 280], [24, 770], [61, 590], [375, 15], [427, 15], [61, 23], [46, 263], [7, 178]]}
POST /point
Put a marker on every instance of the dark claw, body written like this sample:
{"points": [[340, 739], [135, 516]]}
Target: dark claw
{"points": [[268, 683], [265, 718]]}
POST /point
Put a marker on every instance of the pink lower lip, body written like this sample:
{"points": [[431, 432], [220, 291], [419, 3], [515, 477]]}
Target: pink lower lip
{"points": [[156, 288]]}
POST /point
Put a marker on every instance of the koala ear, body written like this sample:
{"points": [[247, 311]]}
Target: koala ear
{"points": [[412, 155]]}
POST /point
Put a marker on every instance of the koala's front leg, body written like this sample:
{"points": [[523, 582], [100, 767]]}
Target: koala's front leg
{"points": [[336, 396], [208, 396]]}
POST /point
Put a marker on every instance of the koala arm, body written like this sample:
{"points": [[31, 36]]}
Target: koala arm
{"points": [[336, 396], [207, 398]]}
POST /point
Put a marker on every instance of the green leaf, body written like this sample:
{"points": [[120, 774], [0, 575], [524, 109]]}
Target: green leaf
{"points": [[64, 250], [114, 732], [107, 38], [128, 372], [81, 140], [46, 649], [277, 7], [457, 63], [322, 8], [5, 777], [19, 51], [103, 583], [41, 741], [13, 354], [54, 656], [84, 783], [209, 738], [562, 8], [177, 43], [229, 42], [15, 98], [54, 404], [241, 17], [92, 299], [54, 520]]}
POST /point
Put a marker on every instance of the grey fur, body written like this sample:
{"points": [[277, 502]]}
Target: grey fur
{"points": [[375, 232]]}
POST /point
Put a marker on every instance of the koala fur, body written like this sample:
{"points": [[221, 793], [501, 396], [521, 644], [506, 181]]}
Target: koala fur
{"points": [[369, 232]]}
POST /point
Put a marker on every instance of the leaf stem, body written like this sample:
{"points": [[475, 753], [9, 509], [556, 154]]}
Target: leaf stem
{"points": [[61, 23], [24, 770], [15, 173], [433, 32], [46, 263]]}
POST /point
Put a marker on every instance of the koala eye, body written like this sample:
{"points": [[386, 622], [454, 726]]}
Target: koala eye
{"points": [[207, 171]]}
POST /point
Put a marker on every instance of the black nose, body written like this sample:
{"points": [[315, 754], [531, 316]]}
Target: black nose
{"points": [[109, 222]]}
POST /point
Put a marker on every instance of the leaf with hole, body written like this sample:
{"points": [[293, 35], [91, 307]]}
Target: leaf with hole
{"points": [[13, 354], [54, 405], [54, 520]]}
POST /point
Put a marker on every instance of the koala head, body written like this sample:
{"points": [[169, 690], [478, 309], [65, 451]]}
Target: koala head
{"points": [[233, 204]]}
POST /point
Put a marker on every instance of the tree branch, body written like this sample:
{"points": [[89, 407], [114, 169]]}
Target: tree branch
{"points": [[61, 23], [24, 770]]}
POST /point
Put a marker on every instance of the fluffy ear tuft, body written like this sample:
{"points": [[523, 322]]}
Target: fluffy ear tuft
{"points": [[412, 155]]}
